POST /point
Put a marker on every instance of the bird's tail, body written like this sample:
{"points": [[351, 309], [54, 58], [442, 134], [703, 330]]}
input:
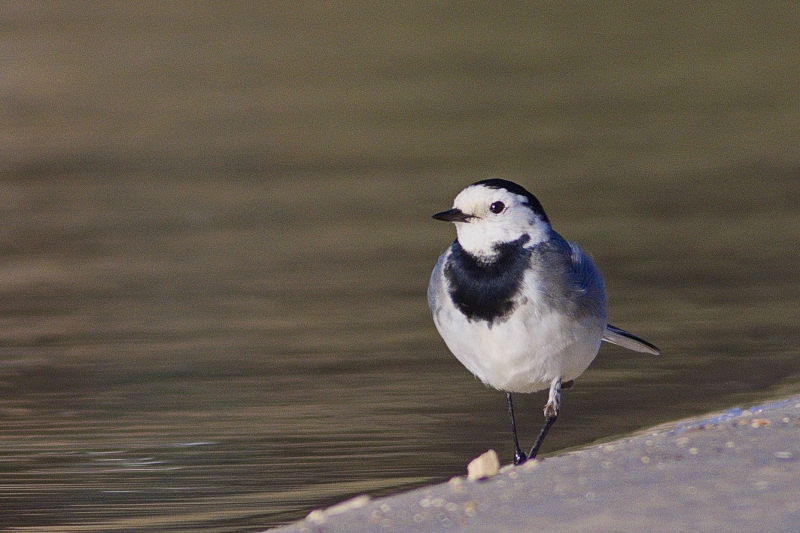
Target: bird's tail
{"points": [[620, 337]]}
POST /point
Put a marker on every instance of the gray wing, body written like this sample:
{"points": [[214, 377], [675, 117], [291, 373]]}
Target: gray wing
{"points": [[586, 279], [591, 281], [568, 280], [620, 337]]}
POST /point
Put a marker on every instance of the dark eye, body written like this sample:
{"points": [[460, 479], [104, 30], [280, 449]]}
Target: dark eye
{"points": [[497, 207]]}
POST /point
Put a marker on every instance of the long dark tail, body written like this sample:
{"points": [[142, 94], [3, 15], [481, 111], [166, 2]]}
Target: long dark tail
{"points": [[620, 337]]}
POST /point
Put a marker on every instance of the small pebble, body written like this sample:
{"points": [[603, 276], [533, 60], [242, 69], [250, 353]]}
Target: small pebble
{"points": [[456, 484], [319, 516], [484, 466], [470, 508], [760, 423], [531, 464]]}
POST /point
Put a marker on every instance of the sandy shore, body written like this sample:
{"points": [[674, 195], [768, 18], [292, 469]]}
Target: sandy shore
{"points": [[729, 472]]}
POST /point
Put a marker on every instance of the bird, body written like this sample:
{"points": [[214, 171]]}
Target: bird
{"points": [[519, 306]]}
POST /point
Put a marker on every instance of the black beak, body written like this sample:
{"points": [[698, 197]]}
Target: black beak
{"points": [[453, 215]]}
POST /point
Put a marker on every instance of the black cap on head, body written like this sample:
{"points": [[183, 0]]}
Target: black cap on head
{"points": [[513, 188]]}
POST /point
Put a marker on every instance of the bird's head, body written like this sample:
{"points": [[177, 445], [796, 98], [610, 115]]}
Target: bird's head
{"points": [[495, 211]]}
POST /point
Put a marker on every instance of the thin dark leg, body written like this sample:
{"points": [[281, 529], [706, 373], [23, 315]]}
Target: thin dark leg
{"points": [[550, 414], [542, 434], [519, 455]]}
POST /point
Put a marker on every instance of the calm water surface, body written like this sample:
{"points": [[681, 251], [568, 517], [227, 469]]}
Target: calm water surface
{"points": [[216, 240]]}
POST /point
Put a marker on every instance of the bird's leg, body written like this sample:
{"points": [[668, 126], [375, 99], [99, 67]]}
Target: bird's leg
{"points": [[519, 455], [550, 414]]}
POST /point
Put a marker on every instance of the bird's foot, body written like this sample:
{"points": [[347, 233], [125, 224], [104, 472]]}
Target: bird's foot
{"points": [[550, 410], [554, 400], [519, 457]]}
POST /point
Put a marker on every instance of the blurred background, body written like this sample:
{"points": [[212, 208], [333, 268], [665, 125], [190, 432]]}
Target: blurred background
{"points": [[215, 238]]}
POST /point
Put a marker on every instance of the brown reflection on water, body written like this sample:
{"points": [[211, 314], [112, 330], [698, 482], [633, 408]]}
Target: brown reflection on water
{"points": [[174, 362]]}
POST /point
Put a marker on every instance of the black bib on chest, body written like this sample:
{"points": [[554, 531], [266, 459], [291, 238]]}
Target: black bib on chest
{"points": [[486, 290]]}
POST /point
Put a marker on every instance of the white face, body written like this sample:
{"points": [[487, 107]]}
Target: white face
{"points": [[498, 216]]}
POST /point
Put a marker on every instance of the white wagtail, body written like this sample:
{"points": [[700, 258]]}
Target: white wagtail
{"points": [[519, 306]]}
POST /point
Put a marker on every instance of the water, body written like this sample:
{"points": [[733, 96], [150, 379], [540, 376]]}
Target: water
{"points": [[216, 239]]}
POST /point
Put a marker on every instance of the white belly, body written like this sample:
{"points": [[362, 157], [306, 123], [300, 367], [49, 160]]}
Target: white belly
{"points": [[526, 353]]}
